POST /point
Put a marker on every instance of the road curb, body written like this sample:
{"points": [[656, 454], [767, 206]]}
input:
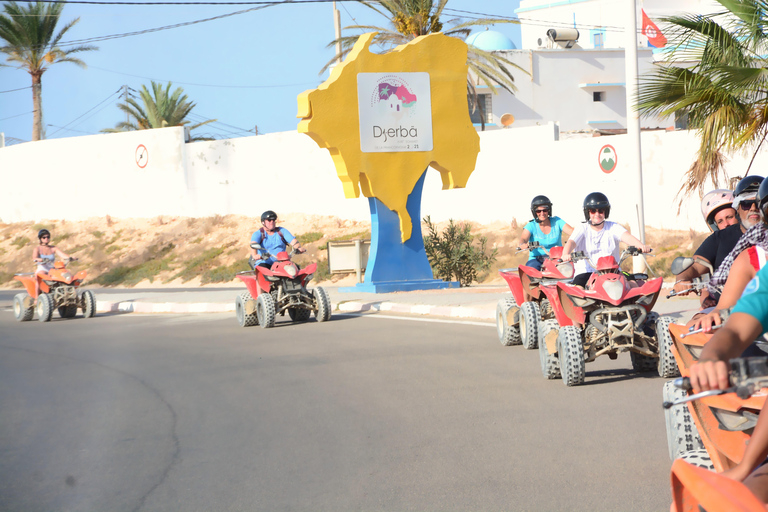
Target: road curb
{"points": [[342, 307]]}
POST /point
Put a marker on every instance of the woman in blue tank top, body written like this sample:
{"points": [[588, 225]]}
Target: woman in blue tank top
{"points": [[544, 229]]}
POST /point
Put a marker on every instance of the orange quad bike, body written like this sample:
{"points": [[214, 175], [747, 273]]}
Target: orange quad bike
{"points": [[612, 314], [518, 316], [59, 289], [710, 431], [695, 484], [280, 288]]}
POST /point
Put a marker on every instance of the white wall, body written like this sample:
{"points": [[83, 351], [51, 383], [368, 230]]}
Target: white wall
{"points": [[97, 175]]}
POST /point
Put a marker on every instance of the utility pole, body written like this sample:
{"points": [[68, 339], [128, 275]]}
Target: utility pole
{"points": [[633, 119], [337, 27], [125, 95]]}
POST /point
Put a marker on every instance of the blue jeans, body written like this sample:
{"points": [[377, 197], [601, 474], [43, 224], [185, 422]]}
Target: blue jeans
{"points": [[535, 262]]}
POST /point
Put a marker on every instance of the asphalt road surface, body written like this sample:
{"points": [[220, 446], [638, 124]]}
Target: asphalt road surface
{"points": [[194, 413]]}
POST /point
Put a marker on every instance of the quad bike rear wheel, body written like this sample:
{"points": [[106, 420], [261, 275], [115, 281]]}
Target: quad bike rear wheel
{"points": [[667, 365], [88, 304], [323, 312], [44, 307], [570, 351], [643, 363], [682, 434], [698, 458], [265, 310], [550, 366], [243, 318], [68, 311], [299, 314], [21, 313], [529, 324], [508, 334]]}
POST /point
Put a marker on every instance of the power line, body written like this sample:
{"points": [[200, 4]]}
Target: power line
{"points": [[119, 91], [18, 115], [20, 89]]}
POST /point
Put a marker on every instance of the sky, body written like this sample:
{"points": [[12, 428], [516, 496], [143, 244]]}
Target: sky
{"points": [[244, 70]]}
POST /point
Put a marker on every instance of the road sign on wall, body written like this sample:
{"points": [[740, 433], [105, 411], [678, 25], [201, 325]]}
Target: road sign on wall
{"points": [[607, 159]]}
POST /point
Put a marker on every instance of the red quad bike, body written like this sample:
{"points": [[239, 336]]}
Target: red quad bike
{"points": [[281, 288], [58, 290], [611, 315], [518, 317]]}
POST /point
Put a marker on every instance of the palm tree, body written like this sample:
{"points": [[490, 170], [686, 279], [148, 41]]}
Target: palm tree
{"points": [[724, 93], [413, 18], [28, 32], [158, 109]]}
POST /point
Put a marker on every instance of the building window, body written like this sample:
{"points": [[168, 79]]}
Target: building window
{"points": [[482, 112], [598, 38], [681, 121], [598, 96]]}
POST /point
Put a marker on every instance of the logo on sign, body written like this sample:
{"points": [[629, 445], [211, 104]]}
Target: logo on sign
{"points": [[395, 112], [607, 159]]}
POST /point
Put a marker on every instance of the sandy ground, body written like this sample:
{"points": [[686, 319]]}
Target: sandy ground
{"points": [[101, 244]]}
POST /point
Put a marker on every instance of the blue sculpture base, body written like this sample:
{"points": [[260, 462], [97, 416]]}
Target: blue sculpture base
{"points": [[399, 286], [394, 265]]}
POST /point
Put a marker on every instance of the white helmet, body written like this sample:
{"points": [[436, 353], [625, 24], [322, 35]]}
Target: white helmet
{"points": [[712, 203]]}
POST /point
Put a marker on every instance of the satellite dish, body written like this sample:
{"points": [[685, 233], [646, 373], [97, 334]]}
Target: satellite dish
{"points": [[507, 119]]}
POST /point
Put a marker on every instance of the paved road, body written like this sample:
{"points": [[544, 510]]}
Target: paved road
{"points": [[168, 412]]}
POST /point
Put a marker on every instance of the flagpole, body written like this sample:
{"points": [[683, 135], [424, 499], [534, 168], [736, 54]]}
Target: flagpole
{"points": [[633, 120]]}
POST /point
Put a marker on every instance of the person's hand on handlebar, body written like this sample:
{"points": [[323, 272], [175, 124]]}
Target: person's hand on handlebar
{"points": [[709, 374], [706, 322], [523, 246]]}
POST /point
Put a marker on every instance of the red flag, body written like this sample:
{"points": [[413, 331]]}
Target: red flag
{"points": [[652, 32]]}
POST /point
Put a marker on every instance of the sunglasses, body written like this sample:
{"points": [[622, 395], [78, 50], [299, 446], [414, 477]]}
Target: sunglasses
{"points": [[545, 210], [747, 205], [270, 219], [46, 237], [597, 210]]}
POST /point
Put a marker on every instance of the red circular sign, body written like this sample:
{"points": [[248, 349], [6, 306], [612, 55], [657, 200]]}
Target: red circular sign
{"points": [[142, 156], [607, 159]]}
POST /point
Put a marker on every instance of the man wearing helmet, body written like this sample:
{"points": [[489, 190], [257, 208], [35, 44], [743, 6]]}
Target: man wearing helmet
{"points": [[544, 229], [272, 239], [720, 243], [597, 237]]}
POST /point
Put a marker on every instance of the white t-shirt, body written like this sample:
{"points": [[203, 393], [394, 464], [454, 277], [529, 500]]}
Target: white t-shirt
{"points": [[596, 244]]}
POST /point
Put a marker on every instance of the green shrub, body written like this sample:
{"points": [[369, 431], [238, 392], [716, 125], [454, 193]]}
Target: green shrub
{"points": [[149, 269], [112, 248], [97, 234], [308, 238], [20, 241], [452, 254], [323, 272], [199, 264], [224, 274]]}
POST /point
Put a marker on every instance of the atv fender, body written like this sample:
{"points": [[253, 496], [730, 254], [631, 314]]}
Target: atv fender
{"points": [[515, 285], [252, 284], [550, 292]]}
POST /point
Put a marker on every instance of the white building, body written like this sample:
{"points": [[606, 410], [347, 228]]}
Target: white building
{"points": [[573, 52]]}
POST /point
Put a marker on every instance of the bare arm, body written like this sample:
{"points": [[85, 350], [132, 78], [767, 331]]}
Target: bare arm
{"points": [[568, 230], [567, 248], [628, 239], [756, 451], [61, 253], [524, 237], [36, 254], [741, 273], [711, 371], [297, 245]]}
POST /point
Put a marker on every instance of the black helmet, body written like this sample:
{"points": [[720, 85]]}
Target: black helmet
{"points": [[268, 215], [762, 197], [42, 233], [596, 200], [748, 185], [540, 201]]}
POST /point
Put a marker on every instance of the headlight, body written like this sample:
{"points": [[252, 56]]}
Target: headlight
{"points": [[565, 268], [614, 289], [581, 301], [291, 270], [645, 300]]}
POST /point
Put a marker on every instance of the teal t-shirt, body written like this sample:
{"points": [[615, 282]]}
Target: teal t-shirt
{"points": [[553, 239], [754, 300]]}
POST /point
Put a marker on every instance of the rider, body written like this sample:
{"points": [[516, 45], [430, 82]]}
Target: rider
{"points": [[44, 255], [717, 209], [273, 239], [545, 229], [720, 243], [748, 321], [597, 237]]}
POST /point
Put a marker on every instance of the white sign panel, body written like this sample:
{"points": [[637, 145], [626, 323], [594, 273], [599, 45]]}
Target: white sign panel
{"points": [[395, 112]]}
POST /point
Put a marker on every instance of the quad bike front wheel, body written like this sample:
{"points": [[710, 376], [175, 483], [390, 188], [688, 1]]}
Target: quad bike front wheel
{"points": [[243, 318], [550, 366], [682, 434], [20, 312], [529, 324], [667, 366], [299, 314], [67, 311], [323, 311], [88, 303], [265, 310], [508, 334], [571, 354], [44, 307]]}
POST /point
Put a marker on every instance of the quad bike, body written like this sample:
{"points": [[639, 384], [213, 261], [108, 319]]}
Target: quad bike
{"points": [[518, 317], [612, 314], [695, 486], [281, 288], [712, 430], [680, 264], [59, 289]]}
